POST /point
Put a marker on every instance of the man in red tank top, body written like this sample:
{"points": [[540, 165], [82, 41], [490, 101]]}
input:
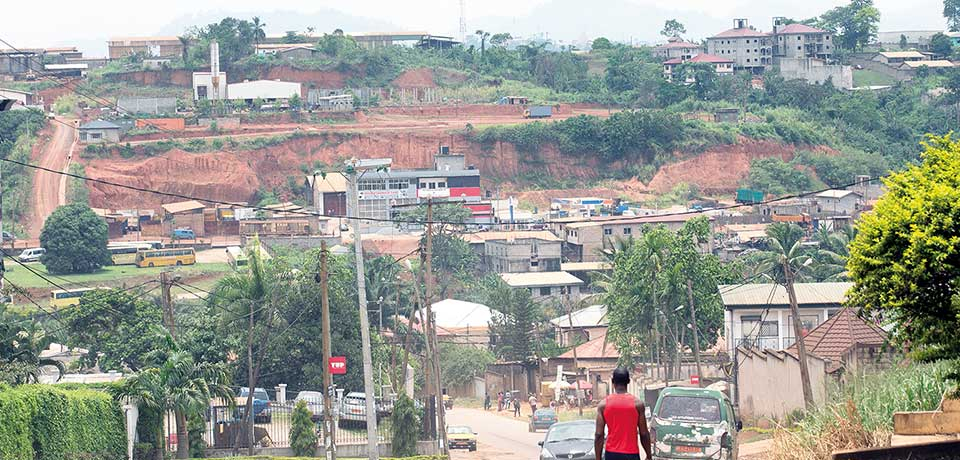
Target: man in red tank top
{"points": [[622, 414]]}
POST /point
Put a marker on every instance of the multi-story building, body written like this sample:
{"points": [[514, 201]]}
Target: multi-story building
{"points": [[676, 48], [748, 48], [534, 253], [586, 241], [149, 46], [798, 41], [722, 66]]}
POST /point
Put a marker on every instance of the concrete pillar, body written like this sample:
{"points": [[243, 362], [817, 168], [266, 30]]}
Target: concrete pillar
{"points": [[408, 385], [282, 393], [780, 327], [131, 414]]}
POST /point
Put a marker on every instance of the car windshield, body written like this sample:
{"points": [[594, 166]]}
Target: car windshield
{"points": [[309, 396], [459, 430], [690, 408], [545, 413], [569, 432]]}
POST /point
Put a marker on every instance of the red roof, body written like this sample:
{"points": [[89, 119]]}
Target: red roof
{"points": [[702, 57], [679, 45], [742, 32], [831, 339], [597, 348], [800, 29]]}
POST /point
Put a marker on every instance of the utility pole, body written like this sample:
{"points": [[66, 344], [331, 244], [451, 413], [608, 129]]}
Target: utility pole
{"points": [[576, 362], [329, 444], [353, 179], [798, 334], [167, 304], [693, 323], [3, 252], [431, 330]]}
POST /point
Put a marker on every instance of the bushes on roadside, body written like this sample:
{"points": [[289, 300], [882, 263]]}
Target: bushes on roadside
{"points": [[42, 422], [406, 427], [303, 435]]}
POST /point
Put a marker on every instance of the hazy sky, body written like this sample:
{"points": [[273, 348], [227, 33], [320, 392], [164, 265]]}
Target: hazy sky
{"points": [[40, 23]]}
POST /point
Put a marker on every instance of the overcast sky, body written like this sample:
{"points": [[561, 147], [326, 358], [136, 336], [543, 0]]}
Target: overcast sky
{"points": [[46, 23]]}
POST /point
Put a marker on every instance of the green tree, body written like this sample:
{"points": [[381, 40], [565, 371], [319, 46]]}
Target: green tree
{"points": [[942, 45], [303, 434], [259, 34], [951, 11], [903, 260], [783, 261], [179, 385], [500, 39], [673, 28], [483, 36], [775, 176], [855, 25], [21, 342], [601, 43], [459, 364], [405, 426], [75, 239], [512, 330], [296, 103], [185, 50], [119, 329], [702, 74], [903, 41]]}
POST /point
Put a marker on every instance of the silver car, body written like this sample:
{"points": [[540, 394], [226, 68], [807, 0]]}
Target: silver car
{"points": [[314, 400], [353, 408]]}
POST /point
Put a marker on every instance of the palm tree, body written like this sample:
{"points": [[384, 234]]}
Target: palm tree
{"points": [[185, 47], [258, 32], [20, 345], [483, 41], [784, 261], [179, 385]]}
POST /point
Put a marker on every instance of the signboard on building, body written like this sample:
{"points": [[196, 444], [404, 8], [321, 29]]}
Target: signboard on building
{"points": [[338, 365], [381, 194], [433, 193]]}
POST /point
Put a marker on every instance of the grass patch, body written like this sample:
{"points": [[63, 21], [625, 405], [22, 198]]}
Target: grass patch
{"points": [[110, 275], [871, 78], [570, 415]]}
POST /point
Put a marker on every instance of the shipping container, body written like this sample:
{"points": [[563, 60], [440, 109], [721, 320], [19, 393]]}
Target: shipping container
{"points": [[747, 196], [538, 111]]}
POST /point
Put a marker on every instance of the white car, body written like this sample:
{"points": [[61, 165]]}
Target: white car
{"points": [[31, 255], [314, 400]]}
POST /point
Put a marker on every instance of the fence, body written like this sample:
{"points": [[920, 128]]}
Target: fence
{"points": [[153, 105]]}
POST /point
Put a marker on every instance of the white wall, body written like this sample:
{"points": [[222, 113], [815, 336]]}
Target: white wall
{"points": [[770, 384], [263, 89], [204, 79]]}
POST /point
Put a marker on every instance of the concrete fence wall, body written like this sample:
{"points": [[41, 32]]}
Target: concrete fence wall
{"points": [[816, 71], [869, 64], [346, 451]]}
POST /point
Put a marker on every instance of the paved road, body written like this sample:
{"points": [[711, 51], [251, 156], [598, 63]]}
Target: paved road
{"points": [[49, 189], [501, 438]]}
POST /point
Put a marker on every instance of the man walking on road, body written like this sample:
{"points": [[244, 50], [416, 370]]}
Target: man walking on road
{"points": [[623, 416], [516, 407], [533, 403]]}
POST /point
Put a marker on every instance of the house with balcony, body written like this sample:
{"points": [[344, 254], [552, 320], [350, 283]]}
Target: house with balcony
{"points": [[517, 251], [748, 48], [677, 48], [722, 66], [757, 316], [585, 241], [799, 41]]}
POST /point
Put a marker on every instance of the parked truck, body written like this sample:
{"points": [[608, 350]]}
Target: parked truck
{"points": [[747, 196], [538, 111]]}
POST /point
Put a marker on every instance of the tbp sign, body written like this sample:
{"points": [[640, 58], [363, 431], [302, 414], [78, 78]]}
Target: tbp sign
{"points": [[338, 365]]}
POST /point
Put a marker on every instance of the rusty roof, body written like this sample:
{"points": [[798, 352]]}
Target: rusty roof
{"points": [[182, 206], [831, 339], [597, 348]]}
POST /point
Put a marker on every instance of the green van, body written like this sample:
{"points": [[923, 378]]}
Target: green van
{"points": [[694, 423]]}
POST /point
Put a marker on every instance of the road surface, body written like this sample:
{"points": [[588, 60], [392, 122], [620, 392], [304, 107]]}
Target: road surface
{"points": [[500, 438], [50, 189]]}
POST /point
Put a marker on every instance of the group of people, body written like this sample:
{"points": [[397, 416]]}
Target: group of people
{"points": [[513, 403]]}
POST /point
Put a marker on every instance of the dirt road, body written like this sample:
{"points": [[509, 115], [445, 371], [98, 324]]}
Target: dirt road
{"points": [[49, 189], [499, 437]]}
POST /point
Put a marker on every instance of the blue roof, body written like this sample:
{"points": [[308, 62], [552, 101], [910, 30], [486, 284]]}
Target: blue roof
{"points": [[99, 124]]}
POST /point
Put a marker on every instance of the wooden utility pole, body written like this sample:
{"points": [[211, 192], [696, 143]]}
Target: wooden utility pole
{"points": [[167, 304], [431, 332], [693, 324], [576, 362], [798, 334], [329, 443]]}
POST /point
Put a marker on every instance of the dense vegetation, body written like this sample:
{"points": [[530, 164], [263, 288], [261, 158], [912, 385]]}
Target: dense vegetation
{"points": [[18, 130], [75, 239]]}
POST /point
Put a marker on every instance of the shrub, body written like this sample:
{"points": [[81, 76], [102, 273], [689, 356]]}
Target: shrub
{"points": [[41, 422], [406, 427], [75, 240], [303, 436]]}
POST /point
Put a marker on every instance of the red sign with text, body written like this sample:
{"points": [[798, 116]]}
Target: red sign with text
{"points": [[694, 379], [338, 365]]}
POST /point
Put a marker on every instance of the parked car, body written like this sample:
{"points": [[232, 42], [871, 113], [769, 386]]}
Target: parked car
{"points": [[462, 437], [314, 400], [31, 255], [261, 404], [353, 409], [694, 423], [183, 233], [569, 441], [543, 419], [8, 237]]}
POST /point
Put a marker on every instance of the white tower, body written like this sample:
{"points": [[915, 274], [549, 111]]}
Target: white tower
{"points": [[215, 68], [463, 21]]}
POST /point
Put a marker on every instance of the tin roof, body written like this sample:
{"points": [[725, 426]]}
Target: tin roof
{"points": [[775, 295], [741, 32], [99, 124], [182, 206], [702, 57], [592, 316], [836, 193], [597, 348], [534, 279], [618, 220], [452, 313], [901, 54]]}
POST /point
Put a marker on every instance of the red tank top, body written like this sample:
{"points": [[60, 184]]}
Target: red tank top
{"points": [[621, 416]]}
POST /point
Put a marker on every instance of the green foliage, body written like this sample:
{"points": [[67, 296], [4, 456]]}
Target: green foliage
{"points": [[119, 328], [18, 130], [77, 188], [66, 104], [21, 342], [512, 330], [903, 260], [951, 11], [303, 434], [941, 44], [775, 176], [459, 364], [601, 43], [841, 170], [75, 239], [43, 422], [406, 427], [673, 28], [854, 25]]}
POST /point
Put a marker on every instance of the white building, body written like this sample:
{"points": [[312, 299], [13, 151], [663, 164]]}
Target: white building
{"points": [[545, 284], [842, 202], [266, 90], [462, 322], [747, 47], [677, 48], [758, 315], [207, 87], [722, 66], [581, 326]]}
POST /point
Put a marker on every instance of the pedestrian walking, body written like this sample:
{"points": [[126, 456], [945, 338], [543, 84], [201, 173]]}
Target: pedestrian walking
{"points": [[533, 403], [500, 401], [621, 416], [516, 407], [486, 401]]}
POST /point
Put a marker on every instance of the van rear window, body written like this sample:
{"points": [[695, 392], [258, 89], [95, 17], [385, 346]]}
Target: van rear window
{"points": [[690, 408]]}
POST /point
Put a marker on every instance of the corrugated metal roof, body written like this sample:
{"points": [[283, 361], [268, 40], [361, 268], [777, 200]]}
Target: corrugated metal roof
{"points": [[597, 348], [99, 124], [901, 54], [182, 206], [533, 279], [742, 32], [585, 266], [941, 63], [481, 237], [618, 220], [763, 295], [452, 313], [332, 183], [835, 193], [592, 316]]}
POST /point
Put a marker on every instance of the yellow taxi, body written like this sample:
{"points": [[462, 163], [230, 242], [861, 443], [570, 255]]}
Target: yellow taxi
{"points": [[462, 437]]}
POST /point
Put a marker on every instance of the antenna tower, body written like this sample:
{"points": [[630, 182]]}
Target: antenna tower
{"points": [[463, 21]]}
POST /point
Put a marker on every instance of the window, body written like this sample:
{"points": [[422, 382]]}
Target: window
{"points": [[534, 263], [433, 185], [441, 185], [807, 323], [751, 326], [608, 231], [627, 230], [798, 38], [545, 291], [96, 135]]}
